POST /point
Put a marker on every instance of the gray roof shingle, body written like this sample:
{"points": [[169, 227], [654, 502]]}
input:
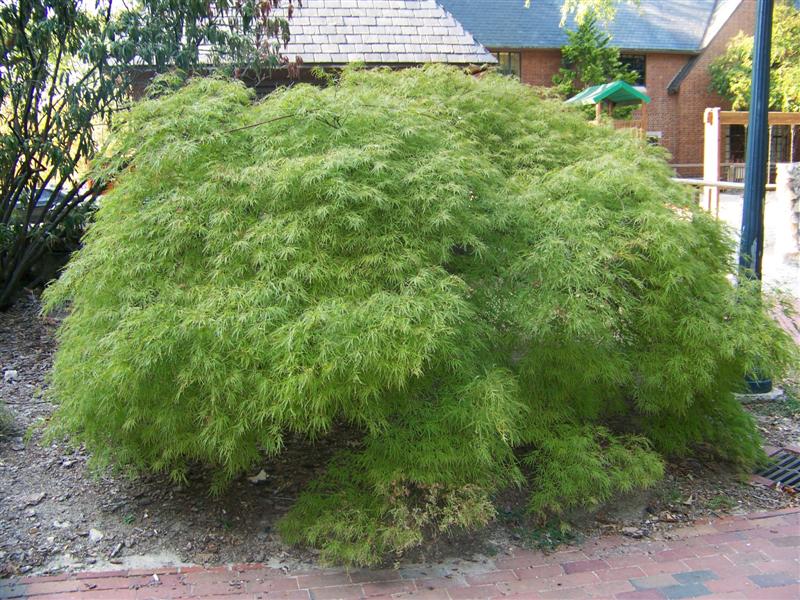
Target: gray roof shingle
{"points": [[661, 25], [380, 31]]}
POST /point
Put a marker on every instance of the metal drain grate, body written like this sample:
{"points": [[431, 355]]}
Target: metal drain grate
{"points": [[784, 471]]}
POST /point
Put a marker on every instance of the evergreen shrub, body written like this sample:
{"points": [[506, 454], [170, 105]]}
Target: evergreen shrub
{"points": [[489, 289]]}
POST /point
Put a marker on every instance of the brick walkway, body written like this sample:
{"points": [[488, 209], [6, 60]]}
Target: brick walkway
{"points": [[791, 325], [756, 556]]}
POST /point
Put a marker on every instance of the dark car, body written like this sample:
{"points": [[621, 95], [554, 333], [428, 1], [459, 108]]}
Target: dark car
{"points": [[44, 198]]}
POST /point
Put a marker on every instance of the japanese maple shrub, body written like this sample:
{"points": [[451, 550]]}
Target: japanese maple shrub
{"points": [[485, 286]]}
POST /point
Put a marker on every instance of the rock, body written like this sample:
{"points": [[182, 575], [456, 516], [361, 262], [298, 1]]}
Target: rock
{"points": [[633, 532], [667, 517], [261, 477], [33, 499], [61, 524], [116, 550], [10, 376], [95, 535]]}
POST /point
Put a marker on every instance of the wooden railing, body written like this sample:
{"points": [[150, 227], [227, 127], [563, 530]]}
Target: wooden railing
{"points": [[714, 200]]}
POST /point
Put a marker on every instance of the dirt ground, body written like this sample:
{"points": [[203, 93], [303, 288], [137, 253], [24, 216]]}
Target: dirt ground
{"points": [[56, 515]]}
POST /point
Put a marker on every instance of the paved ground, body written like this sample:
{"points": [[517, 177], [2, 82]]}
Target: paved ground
{"points": [[791, 323], [781, 262], [755, 556]]}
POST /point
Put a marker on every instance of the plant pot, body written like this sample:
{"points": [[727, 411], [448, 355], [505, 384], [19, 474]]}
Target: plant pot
{"points": [[759, 384]]}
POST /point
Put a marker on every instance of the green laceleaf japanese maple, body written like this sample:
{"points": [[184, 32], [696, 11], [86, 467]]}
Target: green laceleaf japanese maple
{"points": [[487, 288]]}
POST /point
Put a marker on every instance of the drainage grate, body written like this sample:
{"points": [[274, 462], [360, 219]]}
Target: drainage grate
{"points": [[784, 471]]}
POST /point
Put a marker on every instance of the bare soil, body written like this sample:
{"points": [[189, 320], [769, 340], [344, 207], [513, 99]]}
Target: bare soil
{"points": [[56, 514]]}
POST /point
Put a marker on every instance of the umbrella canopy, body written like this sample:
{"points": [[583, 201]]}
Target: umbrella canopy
{"points": [[618, 92]]}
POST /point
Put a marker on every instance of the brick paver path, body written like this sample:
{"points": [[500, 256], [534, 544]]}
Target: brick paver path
{"points": [[755, 556], [791, 324]]}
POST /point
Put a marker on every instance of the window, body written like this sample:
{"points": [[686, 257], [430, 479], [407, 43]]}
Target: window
{"points": [[654, 137], [735, 143], [509, 63], [780, 143], [636, 63]]}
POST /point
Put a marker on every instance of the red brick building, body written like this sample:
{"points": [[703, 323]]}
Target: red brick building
{"points": [[670, 42]]}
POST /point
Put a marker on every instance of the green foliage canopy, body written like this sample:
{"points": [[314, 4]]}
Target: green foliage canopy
{"points": [[589, 59], [65, 71], [489, 289], [582, 9], [731, 73]]}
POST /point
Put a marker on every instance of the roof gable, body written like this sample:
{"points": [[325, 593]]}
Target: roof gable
{"points": [[722, 12], [380, 32], [656, 25]]}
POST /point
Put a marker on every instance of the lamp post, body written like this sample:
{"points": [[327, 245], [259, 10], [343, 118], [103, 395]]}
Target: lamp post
{"points": [[751, 247]]}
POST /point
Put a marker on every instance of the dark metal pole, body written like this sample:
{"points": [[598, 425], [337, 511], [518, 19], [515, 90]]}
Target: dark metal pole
{"points": [[756, 167], [751, 248]]}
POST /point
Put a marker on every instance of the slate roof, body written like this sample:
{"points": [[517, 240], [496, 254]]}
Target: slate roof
{"points": [[683, 26], [386, 32]]}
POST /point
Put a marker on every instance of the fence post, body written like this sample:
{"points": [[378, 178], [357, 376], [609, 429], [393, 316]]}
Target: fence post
{"points": [[711, 156]]}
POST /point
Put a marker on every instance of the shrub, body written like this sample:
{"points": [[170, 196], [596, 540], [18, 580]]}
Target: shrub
{"points": [[57, 243], [471, 276]]}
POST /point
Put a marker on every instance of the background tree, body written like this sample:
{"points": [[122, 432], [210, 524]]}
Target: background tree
{"points": [[589, 59], [605, 9], [582, 9], [731, 73], [65, 71]]}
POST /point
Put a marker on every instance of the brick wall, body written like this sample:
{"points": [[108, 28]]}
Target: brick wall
{"points": [[539, 66], [678, 117], [663, 109], [695, 94]]}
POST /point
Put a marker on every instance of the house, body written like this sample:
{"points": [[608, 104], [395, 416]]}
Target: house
{"points": [[670, 43], [333, 33], [396, 33], [380, 32]]}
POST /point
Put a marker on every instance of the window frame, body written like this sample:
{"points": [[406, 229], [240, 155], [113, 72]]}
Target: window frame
{"points": [[508, 67], [627, 58]]}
